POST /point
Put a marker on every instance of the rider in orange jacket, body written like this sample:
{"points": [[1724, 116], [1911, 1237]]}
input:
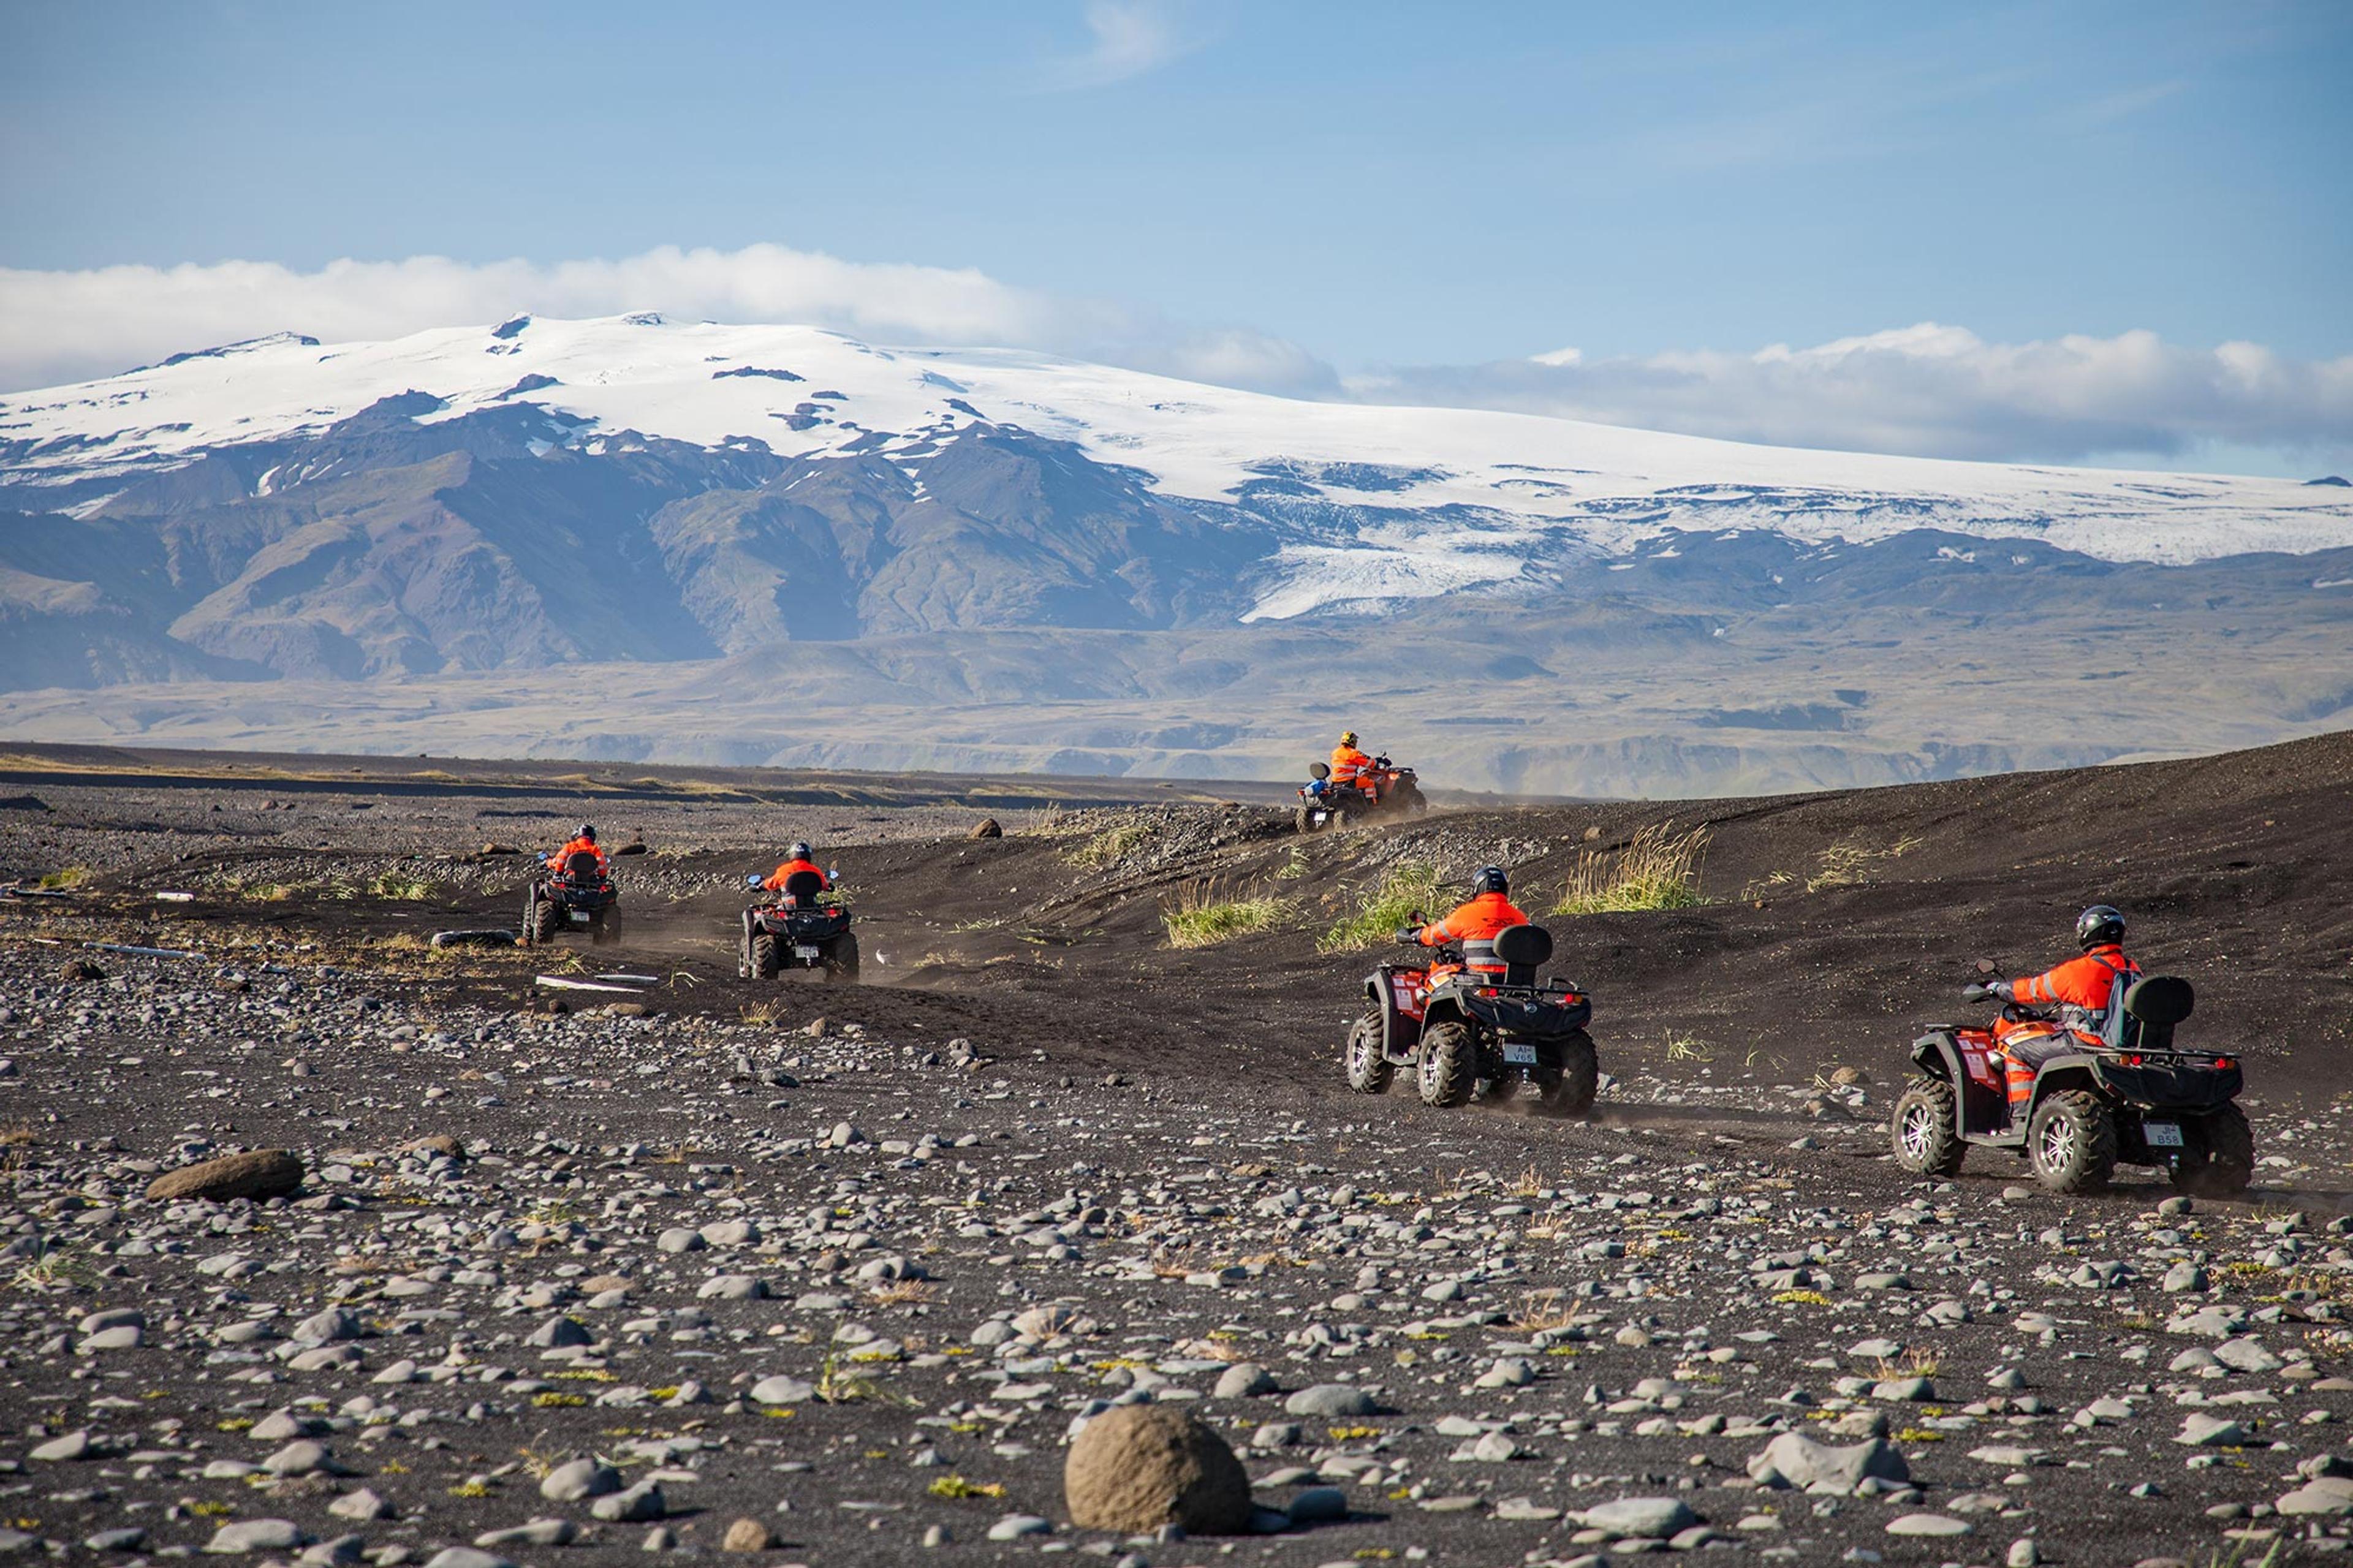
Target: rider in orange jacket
{"points": [[2080, 991], [797, 860], [584, 841], [1350, 766], [1476, 923]]}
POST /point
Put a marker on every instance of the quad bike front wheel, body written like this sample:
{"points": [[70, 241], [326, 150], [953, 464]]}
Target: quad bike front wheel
{"points": [[1570, 1090], [2071, 1142], [1449, 1066], [2220, 1160], [1925, 1127], [1368, 1070]]}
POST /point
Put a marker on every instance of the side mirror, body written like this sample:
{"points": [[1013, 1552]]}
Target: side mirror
{"points": [[1974, 993], [833, 873], [751, 879]]}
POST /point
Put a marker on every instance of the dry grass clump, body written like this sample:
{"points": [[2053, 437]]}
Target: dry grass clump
{"points": [[1380, 910], [1109, 847], [1658, 869], [1843, 865], [1203, 915]]}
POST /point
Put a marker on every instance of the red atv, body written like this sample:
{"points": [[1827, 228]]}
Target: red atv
{"points": [[1385, 791], [800, 927], [1469, 1035], [576, 894], [2131, 1097]]}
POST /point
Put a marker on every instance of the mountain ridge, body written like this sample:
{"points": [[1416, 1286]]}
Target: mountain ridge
{"points": [[1032, 562]]}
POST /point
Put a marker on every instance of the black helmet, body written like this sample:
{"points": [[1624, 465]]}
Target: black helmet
{"points": [[1491, 880], [2098, 925], [799, 849], [587, 831]]}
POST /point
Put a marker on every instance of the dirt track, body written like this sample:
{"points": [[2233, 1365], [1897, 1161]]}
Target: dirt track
{"points": [[1718, 1022]]}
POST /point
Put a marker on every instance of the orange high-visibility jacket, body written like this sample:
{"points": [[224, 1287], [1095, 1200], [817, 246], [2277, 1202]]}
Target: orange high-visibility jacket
{"points": [[1350, 764], [575, 847], [775, 882], [2081, 987], [1477, 920]]}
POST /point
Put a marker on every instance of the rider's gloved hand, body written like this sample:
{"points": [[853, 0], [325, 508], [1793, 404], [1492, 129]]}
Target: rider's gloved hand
{"points": [[1407, 933], [2001, 988]]}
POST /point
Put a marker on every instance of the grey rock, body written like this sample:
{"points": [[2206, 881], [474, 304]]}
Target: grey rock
{"points": [[2210, 1432], [536, 1533], [1929, 1524], [1641, 1516], [1331, 1399], [1014, 1526], [1244, 1380], [255, 1535], [577, 1481], [2328, 1495], [557, 1332], [130, 1538], [361, 1506], [680, 1239], [1801, 1462], [731, 1287], [783, 1391], [635, 1505], [299, 1457], [62, 1451], [330, 1327], [466, 1557], [1317, 1505]]}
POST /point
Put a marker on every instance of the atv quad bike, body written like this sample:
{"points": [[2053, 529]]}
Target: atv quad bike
{"points": [[793, 928], [576, 894], [2133, 1098], [1467, 1035], [1386, 791]]}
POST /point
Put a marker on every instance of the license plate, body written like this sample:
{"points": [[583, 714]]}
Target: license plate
{"points": [[804, 951], [2161, 1134], [577, 916], [1522, 1056]]}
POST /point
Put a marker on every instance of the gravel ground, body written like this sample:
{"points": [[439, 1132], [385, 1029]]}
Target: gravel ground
{"points": [[852, 1264]]}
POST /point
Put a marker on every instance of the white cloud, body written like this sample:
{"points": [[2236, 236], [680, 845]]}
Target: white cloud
{"points": [[1127, 38], [58, 327], [1933, 391]]}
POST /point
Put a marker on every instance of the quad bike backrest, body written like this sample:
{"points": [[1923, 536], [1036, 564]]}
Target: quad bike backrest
{"points": [[1319, 771], [2153, 1005], [580, 865], [1522, 949], [803, 886]]}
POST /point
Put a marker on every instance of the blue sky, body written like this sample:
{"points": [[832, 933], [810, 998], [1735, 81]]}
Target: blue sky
{"points": [[1375, 200]]}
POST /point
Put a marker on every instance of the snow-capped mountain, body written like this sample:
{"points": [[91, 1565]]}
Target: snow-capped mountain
{"points": [[1442, 499], [857, 530]]}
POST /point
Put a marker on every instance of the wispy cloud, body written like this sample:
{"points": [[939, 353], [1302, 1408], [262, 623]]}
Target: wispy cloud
{"points": [[1932, 391], [2109, 108], [58, 327], [1126, 39]]}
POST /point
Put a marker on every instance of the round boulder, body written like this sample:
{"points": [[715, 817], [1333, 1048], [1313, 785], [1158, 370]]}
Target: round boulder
{"points": [[261, 1175], [1139, 1466]]}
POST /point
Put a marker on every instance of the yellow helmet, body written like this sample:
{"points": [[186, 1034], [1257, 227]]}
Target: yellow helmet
{"points": [[1347, 737]]}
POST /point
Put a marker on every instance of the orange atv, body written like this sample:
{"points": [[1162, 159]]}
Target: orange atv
{"points": [[1384, 790], [1467, 1035], [2131, 1097]]}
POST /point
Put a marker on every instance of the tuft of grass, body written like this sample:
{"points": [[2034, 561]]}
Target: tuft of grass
{"points": [[956, 1488], [1200, 917], [1687, 1049], [1380, 910], [65, 879], [392, 885], [1109, 847], [1843, 865], [1658, 869]]}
